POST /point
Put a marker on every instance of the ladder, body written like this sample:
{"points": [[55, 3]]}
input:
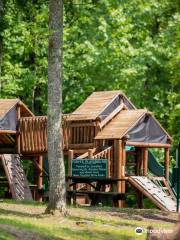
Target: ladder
{"points": [[16, 177]]}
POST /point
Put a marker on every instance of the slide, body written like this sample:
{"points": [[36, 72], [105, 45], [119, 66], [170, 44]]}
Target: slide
{"points": [[157, 169]]}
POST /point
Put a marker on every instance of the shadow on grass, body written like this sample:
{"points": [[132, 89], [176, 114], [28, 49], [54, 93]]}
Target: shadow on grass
{"points": [[29, 231], [135, 214], [20, 214], [4, 235], [21, 231], [24, 202]]}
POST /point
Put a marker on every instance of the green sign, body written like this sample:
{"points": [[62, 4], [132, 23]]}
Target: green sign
{"points": [[89, 168]]}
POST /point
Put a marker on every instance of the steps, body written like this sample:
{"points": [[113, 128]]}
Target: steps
{"points": [[16, 177], [160, 195]]}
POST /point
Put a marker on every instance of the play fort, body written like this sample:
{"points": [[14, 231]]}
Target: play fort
{"points": [[107, 147]]}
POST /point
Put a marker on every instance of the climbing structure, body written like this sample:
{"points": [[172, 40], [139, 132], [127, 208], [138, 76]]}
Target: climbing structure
{"points": [[106, 126]]}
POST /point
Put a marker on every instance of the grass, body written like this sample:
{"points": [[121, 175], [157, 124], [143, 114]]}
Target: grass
{"points": [[26, 221]]}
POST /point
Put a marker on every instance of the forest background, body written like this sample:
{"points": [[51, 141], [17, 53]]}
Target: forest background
{"points": [[131, 45]]}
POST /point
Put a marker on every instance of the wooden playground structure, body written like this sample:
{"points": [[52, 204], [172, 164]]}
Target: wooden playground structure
{"points": [[106, 126]]}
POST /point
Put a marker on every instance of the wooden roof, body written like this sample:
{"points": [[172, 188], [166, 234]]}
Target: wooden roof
{"points": [[94, 105], [119, 126], [7, 104]]}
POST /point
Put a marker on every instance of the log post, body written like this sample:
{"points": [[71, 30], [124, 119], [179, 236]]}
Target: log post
{"points": [[118, 155], [70, 158], [18, 140], [145, 161], [90, 153], [166, 162], [140, 165], [123, 168], [40, 177]]}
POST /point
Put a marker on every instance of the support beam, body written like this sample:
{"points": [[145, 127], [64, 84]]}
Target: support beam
{"points": [[18, 141], [153, 145], [166, 162], [118, 166], [70, 158], [123, 168], [40, 178], [145, 161]]}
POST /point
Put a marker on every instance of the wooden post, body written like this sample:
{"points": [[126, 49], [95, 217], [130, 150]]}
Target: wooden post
{"points": [[166, 161], [140, 165], [90, 153], [70, 158], [145, 161], [18, 140], [40, 177], [123, 183], [90, 156], [118, 155], [139, 199]]}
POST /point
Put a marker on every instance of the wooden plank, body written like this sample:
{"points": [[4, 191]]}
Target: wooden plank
{"points": [[81, 146], [142, 144], [111, 115], [8, 132]]}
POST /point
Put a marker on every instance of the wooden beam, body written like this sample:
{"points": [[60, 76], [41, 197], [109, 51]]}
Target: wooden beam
{"points": [[118, 156], [70, 158], [81, 146], [8, 132], [166, 162], [145, 161], [153, 145], [18, 137], [40, 178], [111, 115], [123, 168]]}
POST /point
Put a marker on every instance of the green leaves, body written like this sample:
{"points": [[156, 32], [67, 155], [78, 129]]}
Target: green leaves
{"points": [[129, 45]]}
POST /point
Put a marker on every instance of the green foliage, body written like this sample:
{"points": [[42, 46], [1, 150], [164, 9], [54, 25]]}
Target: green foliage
{"points": [[128, 45]]}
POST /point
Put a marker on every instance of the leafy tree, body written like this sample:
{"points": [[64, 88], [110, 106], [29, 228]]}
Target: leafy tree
{"points": [[128, 45]]}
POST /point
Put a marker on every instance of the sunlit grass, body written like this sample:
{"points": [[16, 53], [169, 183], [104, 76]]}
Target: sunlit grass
{"points": [[81, 223]]}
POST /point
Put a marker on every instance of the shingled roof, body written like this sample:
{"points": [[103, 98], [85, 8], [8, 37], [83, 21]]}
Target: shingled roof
{"points": [[99, 105]]}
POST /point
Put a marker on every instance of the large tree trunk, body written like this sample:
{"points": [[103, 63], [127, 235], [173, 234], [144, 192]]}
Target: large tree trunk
{"points": [[57, 192], [1, 38]]}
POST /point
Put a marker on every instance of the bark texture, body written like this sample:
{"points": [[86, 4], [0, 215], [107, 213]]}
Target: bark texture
{"points": [[55, 138]]}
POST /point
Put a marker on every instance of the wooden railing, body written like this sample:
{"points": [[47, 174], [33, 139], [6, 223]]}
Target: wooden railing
{"points": [[33, 135], [79, 135], [107, 153]]}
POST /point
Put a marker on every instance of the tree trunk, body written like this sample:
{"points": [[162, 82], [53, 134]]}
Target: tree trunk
{"points": [[57, 191], [1, 38]]}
